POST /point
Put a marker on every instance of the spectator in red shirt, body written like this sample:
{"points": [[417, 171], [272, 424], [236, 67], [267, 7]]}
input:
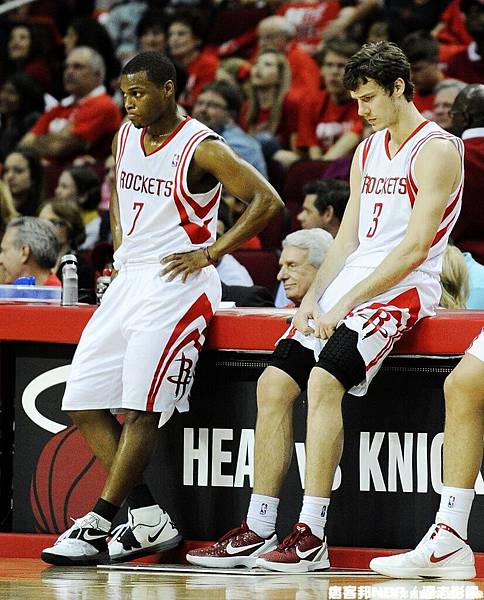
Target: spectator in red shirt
{"points": [[468, 65], [29, 247], [329, 125], [310, 18], [271, 112], [84, 122], [422, 51], [26, 53], [276, 33], [185, 47]]}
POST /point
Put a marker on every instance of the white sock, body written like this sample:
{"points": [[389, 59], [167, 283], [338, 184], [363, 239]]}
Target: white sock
{"points": [[314, 513], [455, 508], [262, 515]]}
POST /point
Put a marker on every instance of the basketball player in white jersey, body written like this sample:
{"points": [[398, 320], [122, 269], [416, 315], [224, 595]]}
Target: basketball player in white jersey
{"points": [[139, 350], [380, 276], [443, 552]]}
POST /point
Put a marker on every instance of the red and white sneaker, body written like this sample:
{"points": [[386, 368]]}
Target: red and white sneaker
{"points": [[239, 547], [301, 551], [442, 553]]}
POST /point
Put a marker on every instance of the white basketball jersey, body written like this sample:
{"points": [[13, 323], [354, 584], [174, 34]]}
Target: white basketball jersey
{"points": [[388, 191], [159, 214]]}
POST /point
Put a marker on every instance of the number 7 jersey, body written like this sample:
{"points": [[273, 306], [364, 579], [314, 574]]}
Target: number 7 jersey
{"points": [[388, 191], [159, 215]]}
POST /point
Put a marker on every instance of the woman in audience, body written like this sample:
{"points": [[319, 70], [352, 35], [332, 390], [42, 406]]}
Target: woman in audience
{"points": [[81, 185], [454, 279], [151, 31], [21, 104], [23, 174], [66, 217], [272, 108], [26, 53], [185, 46]]}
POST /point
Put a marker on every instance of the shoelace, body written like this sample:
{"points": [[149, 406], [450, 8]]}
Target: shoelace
{"points": [[289, 540], [77, 525], [118, 531], [233, 533]]}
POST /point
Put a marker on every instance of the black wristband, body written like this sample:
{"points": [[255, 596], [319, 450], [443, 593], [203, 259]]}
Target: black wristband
{"points": [[206, 253]]}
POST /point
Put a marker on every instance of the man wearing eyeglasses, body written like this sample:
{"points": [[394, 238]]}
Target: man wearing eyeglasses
{"points": [[83, 123], [218, 107]]}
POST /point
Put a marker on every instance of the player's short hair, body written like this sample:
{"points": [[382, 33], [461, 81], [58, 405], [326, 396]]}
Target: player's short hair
{"points": [[158, 67], [420, 45], [329, 192], [384, 62], [39, 236], [316, 241]]}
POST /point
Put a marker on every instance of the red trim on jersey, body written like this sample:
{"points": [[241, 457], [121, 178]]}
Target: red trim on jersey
{"points": [[412, 189], [387, 140], [164, 142], [122, 146], [440, 234], [200, 308], [198, 234], [366, 150], [200, 211]]}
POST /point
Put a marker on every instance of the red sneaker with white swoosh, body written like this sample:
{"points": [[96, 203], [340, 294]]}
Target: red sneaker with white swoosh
{"points": [[442, 553], [239, 547], [301, 551]]}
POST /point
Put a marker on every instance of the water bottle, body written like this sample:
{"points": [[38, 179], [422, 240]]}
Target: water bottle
{"points": [[69, 280], [102, 283]]}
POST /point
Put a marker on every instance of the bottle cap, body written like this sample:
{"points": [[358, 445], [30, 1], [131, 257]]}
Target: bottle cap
{"points": [[69, 258], [25, 280]]}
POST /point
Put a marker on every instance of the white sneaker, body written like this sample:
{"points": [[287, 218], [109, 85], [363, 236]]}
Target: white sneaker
{"points": [[148, 530], [442, 553], [85, 543]]}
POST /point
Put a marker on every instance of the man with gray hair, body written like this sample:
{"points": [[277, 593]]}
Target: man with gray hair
{"points": [[85, 121], [445, 93], [302, 254], [29, 247], [277, 33]]}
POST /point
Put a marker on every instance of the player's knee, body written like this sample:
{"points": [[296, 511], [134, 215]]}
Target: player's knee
{"points": [[141, 419], [323, 389], [274, 391]]}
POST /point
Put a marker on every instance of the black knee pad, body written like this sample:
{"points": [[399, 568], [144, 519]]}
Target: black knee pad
{"points": [[341, 358], [295, 360]]}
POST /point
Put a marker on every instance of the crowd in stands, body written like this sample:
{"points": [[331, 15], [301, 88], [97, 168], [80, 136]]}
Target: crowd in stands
{"points": [[268, 77]]}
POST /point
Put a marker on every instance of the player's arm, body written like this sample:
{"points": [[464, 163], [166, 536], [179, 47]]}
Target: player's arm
{"points": [[345, 243], [241, 180], [114, 216], [438, 172]]}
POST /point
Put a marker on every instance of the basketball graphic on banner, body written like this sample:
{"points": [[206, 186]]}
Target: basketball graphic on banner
{"points": [[66, 483]]}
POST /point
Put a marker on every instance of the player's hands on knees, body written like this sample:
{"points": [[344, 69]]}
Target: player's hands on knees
{"points": [[304, 313], [183, 264], [325, 325]]}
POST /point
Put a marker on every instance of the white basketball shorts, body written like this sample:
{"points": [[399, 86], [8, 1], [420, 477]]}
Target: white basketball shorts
{"points": [[140, 348], [379, 322], [477, 347]]}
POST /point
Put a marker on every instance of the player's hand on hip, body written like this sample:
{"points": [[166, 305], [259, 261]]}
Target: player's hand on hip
{"points": [[183, 264]]}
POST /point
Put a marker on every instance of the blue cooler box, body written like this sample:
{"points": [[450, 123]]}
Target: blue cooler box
{"points": [[44, 294]]}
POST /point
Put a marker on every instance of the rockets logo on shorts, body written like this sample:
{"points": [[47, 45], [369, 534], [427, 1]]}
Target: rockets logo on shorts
{"points": [[184, 376]]}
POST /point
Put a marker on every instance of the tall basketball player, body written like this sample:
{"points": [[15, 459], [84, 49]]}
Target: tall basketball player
{"points": [[380, 277], [139, 350]]}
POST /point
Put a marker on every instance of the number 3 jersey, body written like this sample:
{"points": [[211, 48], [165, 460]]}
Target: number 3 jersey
{"points": [[159, 214], [388, 191]]}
